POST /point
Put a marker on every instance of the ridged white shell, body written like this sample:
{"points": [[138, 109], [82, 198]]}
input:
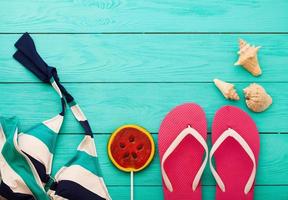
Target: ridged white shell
{"points": [[227, 89], [257, 98], [248, 57]]}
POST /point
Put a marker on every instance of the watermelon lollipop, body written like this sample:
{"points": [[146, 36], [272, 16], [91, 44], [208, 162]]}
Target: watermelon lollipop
{"points": [[131, 149]]}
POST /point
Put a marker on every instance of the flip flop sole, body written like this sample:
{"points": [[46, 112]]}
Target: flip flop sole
{"points": [[232, 163], [182, 165]]}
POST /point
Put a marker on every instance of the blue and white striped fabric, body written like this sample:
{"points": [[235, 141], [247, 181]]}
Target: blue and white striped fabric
{"points": [[26, 157]]}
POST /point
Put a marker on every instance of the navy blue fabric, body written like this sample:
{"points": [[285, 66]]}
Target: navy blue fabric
{"points": [[40, 168], [63, 104], [66, 94], [7, 193], [19, 56], [86, 127], [73, 191], [28, 56]]}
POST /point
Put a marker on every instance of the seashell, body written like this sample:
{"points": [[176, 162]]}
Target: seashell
{"points": [[227, 89], [248, 57], [257, 99]]}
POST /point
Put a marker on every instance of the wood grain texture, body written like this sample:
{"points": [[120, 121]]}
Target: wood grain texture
{"points": [[272, 169], [147, 58], [143, 16], [131, 61], [155, 193], [108, 106]]}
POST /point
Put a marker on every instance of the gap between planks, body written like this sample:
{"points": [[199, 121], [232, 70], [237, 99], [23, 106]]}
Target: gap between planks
{"points": [[131, 82], [206, 185], [148, 33], [209, 133]]}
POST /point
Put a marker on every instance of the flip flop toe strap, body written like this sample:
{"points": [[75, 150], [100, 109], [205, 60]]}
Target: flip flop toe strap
{"points": [[187, 131], [232, 133]]}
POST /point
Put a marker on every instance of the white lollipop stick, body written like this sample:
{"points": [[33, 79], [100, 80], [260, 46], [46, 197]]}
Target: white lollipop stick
{"points": [[132, 185]]}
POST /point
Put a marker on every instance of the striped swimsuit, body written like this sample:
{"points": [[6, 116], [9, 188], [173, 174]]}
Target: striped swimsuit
{"points": [[26, 157]]}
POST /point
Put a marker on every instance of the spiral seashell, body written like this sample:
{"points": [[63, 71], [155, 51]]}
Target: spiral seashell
{"points": [[227, 89], [248, 57], [257, 98]]}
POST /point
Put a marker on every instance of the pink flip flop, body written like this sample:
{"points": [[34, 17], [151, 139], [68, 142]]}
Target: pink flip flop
{"points": [[182, 145], [236, 145]]}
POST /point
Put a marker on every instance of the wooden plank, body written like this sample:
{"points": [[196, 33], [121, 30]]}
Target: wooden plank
{"points": [[111, 105], [147, 58], [143, 16], [272, 169], [208, 192]]}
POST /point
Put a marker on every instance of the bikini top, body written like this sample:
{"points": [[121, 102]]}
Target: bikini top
{"points": [[26, 157]]}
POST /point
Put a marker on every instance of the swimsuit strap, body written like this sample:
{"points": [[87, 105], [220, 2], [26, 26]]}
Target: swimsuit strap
{"points": [[83, 169], [28, 56]]}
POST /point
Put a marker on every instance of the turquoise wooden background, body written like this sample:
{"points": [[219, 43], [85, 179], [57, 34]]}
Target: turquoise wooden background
{"points": [[132, 61]]}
